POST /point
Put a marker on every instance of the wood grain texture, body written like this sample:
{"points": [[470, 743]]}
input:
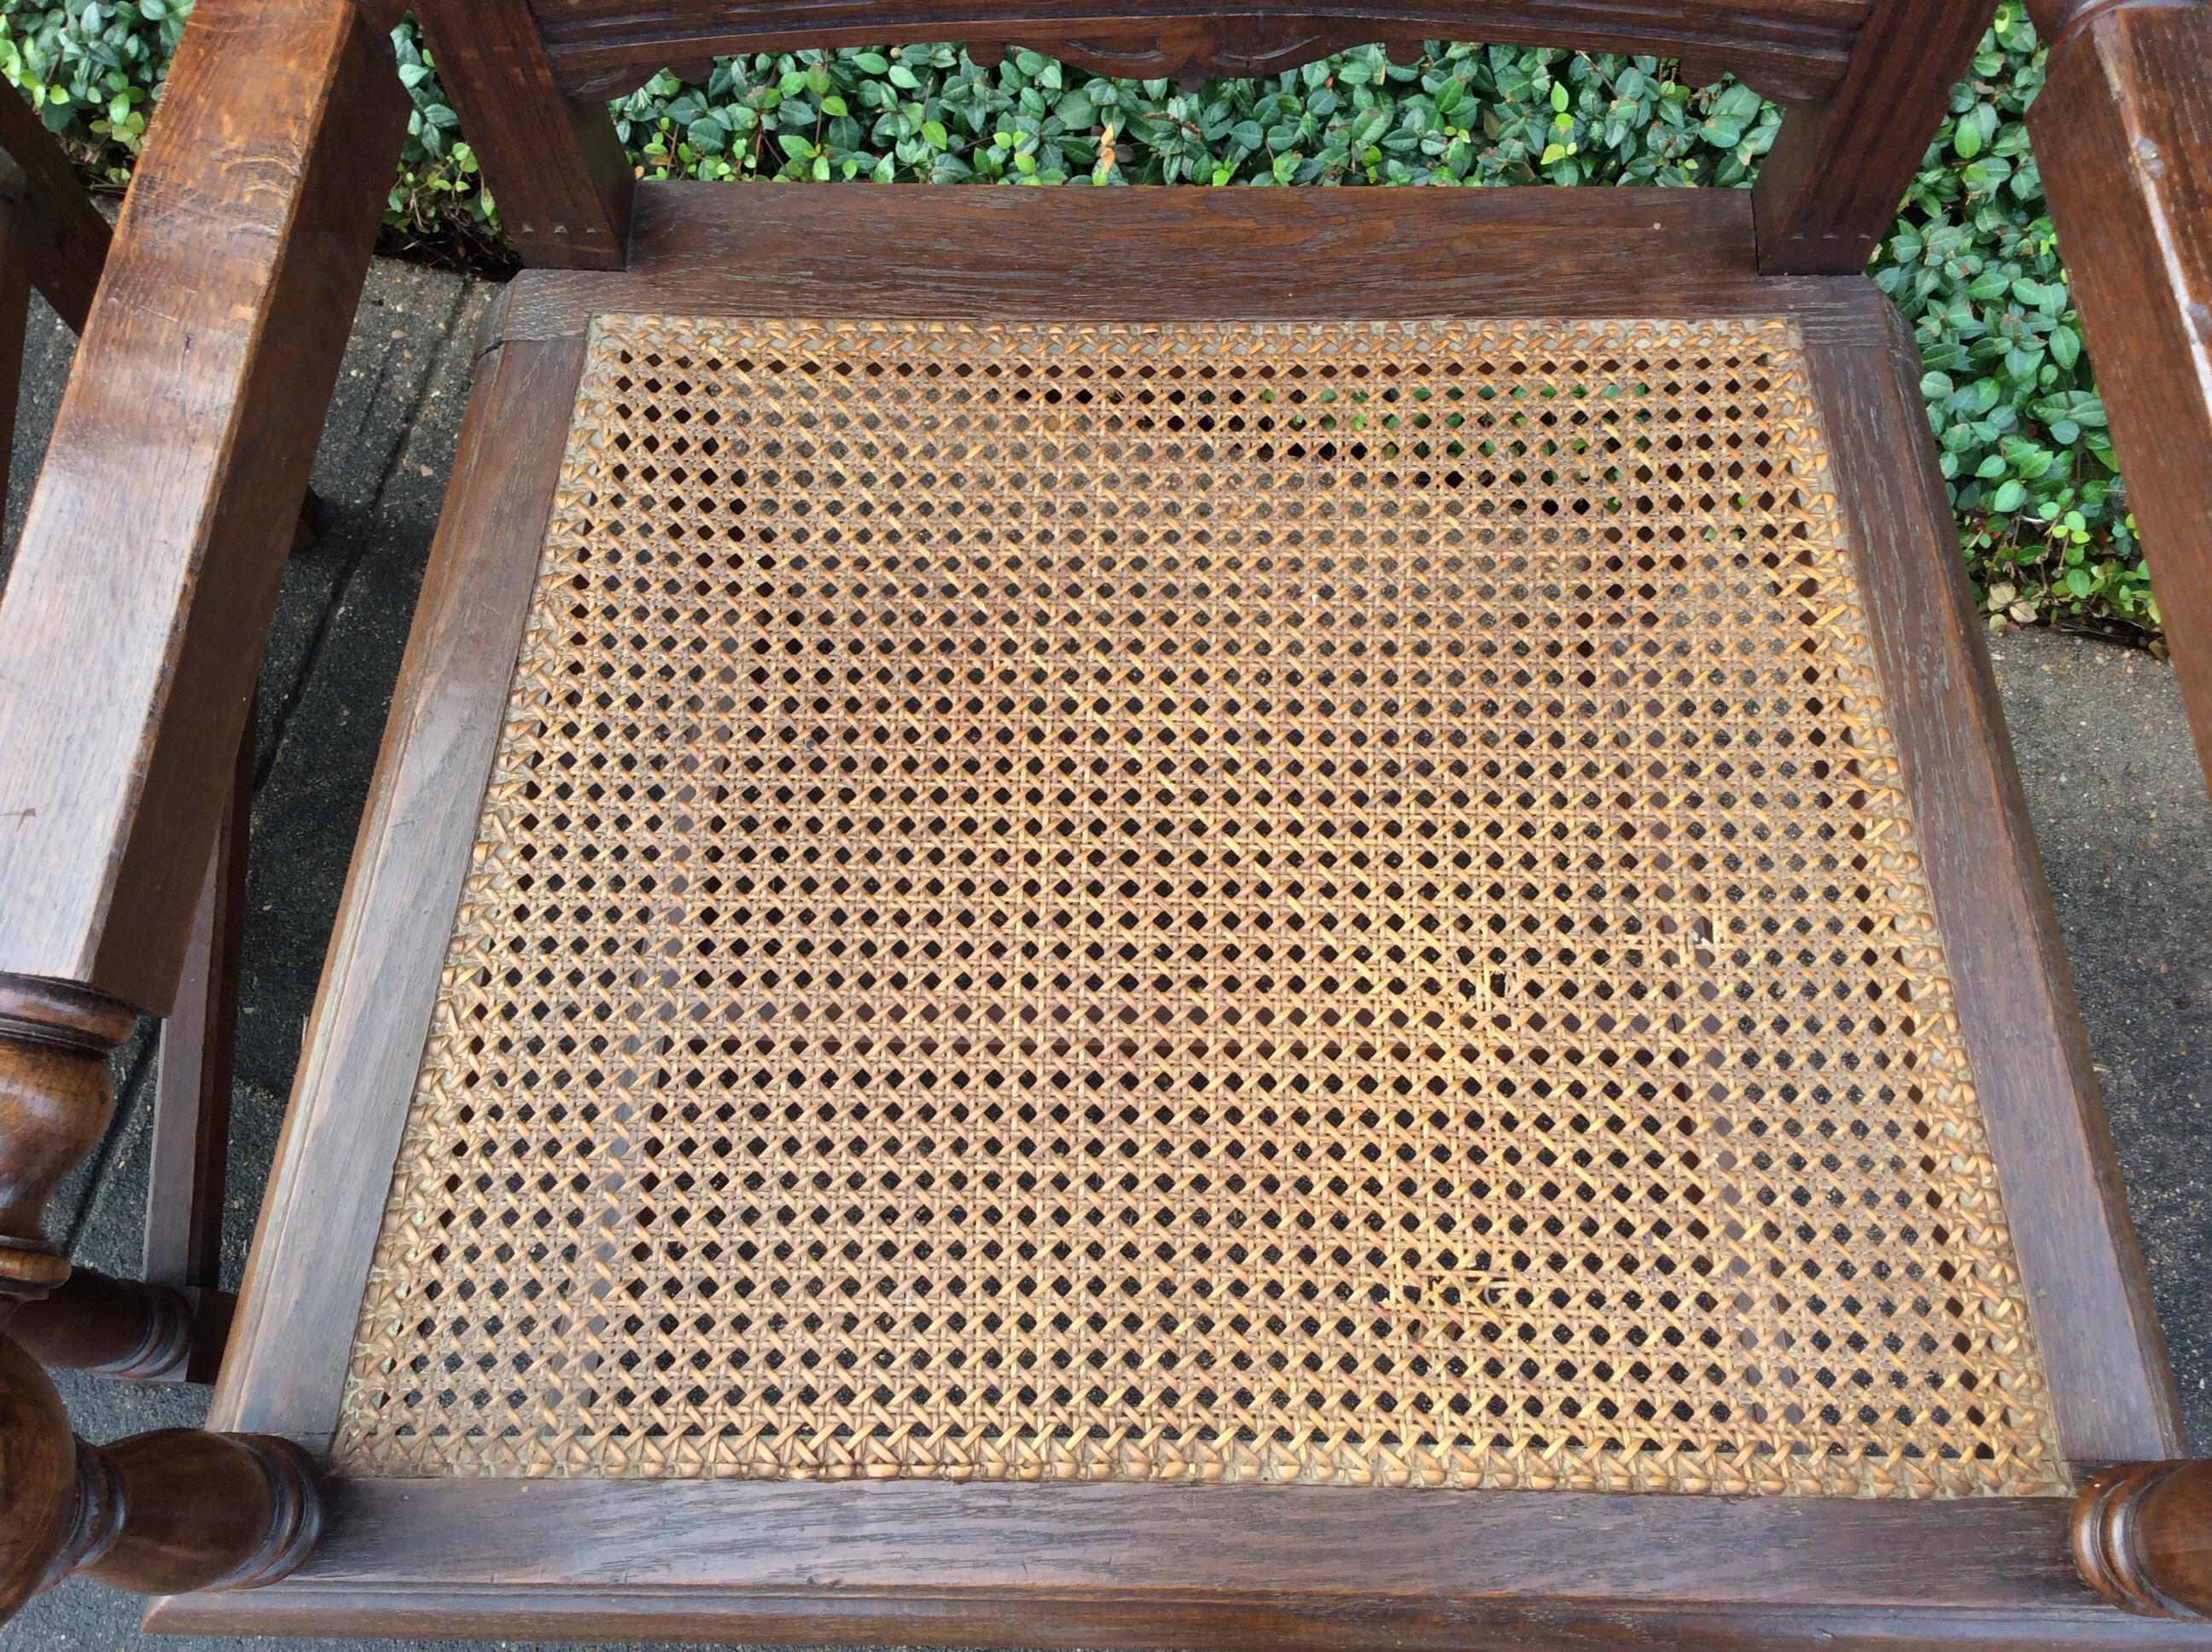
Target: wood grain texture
{"points": [[1190, 51], [2059, 21], [184, 1508], [151, 556], [67, 240], [1795, 49], [174, 1510], [1142, 254], [2122, 133], [326, 1192], [2111, 1386], [562, 178], [1148, 1564], [1165, 1566], [1829, 189]]}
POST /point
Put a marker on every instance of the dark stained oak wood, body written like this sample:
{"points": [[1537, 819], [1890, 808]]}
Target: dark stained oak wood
{"points": [[1190, 51], [1142, 254], [2142, 1536], [1829, 189], [55, 1040], [318, 1227], [112, 1328], [150, 559], [1169, 1566], [67, 239], [148, 568], [178, 1510], [2095, 1327], [1794, 49], [2122, 133], [123, 676], [184, 1508], [2059, 21], [554, 164], [38, 1469]]}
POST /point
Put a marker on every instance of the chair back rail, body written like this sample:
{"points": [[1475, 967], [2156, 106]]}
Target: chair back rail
{"points": [[1799, 49], [1828, 191], [1868, 80]]}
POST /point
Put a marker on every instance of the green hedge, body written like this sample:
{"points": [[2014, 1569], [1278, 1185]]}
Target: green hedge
{"points": [[1972, 260]]}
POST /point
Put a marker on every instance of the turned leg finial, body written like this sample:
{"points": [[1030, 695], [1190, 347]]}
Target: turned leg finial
{"points": [[2142, 1537]]}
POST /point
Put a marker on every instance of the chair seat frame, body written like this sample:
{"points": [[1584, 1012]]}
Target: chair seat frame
{"points": [[119, 836]]}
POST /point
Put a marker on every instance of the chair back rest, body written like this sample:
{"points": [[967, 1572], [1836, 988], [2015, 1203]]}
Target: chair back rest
{"points": [[1868, 79]]}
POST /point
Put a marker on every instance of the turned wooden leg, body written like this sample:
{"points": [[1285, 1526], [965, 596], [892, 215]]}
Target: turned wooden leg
{"points": [[2142, 1537], [55, 1102], [159, 1513], [156, 1514]]}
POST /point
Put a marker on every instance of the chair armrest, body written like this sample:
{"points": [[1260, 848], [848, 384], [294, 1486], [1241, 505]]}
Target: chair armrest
{"points": [[143, 588], [2123, 134], [133, 626]]}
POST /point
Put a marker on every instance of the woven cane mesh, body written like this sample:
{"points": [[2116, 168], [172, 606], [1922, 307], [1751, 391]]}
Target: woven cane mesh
{"points": [[1322, 902]]}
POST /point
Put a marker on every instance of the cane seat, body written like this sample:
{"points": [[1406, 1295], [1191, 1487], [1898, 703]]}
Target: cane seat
{"points": [[1313, 901]]}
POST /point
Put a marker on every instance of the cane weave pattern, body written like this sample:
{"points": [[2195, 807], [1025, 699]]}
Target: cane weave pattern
{"points": [[1320, 903]]}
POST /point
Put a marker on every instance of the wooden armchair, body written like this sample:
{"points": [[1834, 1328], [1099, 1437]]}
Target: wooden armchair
{"points": [[1127, 917]]}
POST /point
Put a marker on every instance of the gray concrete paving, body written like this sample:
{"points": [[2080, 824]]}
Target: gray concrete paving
{"points": [[2125, 824]]}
